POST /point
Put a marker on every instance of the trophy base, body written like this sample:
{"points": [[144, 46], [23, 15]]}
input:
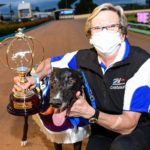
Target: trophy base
{"points": [[24, 106]]}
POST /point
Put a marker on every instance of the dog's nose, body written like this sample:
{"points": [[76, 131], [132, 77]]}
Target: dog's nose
{"points": [[56, 103]]}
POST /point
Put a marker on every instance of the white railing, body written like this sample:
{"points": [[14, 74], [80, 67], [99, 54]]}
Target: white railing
{"points": [[126, 12]]}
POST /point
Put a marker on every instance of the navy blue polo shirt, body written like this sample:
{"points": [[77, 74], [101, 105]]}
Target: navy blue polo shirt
{"points": [[124, 86]]}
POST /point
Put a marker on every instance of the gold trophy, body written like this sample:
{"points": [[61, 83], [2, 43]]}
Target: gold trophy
{"points": [[20, 54]]}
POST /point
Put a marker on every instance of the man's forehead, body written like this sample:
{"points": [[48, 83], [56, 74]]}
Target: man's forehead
{"points": [[106, 17]]}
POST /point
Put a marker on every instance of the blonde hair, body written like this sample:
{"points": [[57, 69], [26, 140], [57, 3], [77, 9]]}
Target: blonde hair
{"points": [[103, 7]]}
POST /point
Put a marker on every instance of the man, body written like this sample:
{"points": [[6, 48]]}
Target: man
{"points": [[118, 76]]}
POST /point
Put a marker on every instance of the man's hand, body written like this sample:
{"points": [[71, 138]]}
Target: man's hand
{"points": [[30, 84], [42, 70], [81, 108]]}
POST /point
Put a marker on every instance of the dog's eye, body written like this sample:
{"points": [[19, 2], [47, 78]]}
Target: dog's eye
{"points": [[71, 81], [51, 86], [53, 83]]}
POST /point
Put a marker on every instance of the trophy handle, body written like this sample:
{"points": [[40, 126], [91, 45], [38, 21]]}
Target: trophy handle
{"points": [[43, 51], [1, 44]]}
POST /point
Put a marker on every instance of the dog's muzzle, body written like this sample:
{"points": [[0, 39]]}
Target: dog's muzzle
{"points": [[56, 102]]}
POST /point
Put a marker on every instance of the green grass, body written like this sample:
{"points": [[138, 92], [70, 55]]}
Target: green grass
{"points": [[131, 18], [9, 28], [139, 31], [139, 28]]}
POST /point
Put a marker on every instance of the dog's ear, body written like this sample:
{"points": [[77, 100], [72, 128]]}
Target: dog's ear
{"points": [[82, 81], [80, 74], [53, 74], [54, 69]]}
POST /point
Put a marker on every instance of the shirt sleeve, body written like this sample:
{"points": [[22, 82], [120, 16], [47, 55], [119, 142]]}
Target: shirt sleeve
{"points": [[65, 61], [137, 90]]}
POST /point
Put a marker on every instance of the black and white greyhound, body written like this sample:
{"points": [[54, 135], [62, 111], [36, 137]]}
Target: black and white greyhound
{"points": [[64, 84]]}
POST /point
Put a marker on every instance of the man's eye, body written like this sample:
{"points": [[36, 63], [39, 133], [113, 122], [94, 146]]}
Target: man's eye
{"points": [[96, 28]]}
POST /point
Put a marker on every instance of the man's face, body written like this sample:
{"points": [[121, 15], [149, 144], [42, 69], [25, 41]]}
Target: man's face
{"points": [[105, 18], [108, 20]]}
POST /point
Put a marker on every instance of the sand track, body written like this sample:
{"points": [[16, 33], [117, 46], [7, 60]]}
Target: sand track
{"points": [[57, 37]]}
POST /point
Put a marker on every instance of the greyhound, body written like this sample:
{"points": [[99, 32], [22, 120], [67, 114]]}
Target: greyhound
{"points": [[64, 84]]}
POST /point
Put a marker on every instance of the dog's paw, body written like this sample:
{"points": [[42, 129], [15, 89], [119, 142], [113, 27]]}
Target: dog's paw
{"points": [[24, 143]]}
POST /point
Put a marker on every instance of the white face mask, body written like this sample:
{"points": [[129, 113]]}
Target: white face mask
{"points": [[106, 42]]}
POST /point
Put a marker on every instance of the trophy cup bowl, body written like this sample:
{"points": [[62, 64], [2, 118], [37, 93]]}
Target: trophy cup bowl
{"points": [[19, 56]]}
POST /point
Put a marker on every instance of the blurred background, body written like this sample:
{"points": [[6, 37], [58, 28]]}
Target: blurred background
{"points": [[30, 13]]}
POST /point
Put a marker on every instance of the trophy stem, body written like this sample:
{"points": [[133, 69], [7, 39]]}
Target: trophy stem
{"points": [[23, 78]]}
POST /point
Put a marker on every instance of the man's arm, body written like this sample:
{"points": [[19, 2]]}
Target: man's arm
{"points": [[123, 124], [44, 68]]}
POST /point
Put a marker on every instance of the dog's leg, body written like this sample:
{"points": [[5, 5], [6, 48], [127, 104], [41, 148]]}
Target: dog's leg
{"points": [[57, 146], [77, 145], [25, 131]]}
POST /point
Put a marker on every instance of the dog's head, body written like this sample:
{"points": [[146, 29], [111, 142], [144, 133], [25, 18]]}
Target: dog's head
{"points": [[64, 84]]}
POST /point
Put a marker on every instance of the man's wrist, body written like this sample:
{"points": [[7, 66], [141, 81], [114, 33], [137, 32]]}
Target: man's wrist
{"points": [[36, 78], [93, 119]]}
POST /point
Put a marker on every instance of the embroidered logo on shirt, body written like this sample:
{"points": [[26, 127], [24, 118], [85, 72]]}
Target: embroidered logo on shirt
{"points": [[118, 83]]}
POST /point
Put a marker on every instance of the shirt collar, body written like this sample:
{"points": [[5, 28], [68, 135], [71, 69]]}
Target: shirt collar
{"points": [[122, 55]]}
